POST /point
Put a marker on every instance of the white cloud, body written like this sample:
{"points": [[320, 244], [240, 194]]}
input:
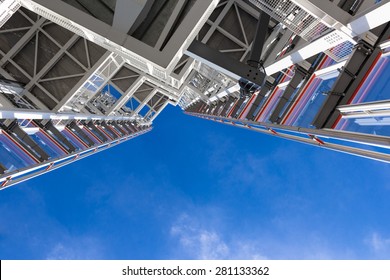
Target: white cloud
{"points": [[201, 238], [75, 249], [200, 241], [378, 243]]}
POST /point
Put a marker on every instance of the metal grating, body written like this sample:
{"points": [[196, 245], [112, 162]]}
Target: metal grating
{"points": [[341, 51], [294, 17], [7, 9]]}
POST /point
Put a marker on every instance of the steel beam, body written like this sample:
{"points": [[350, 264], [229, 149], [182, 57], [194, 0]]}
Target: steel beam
{"points": [[356, 137], [127, 95], [23, 174], [24, 139], [259, 98], [48, 125], [258, 42], [159, 111], [277, 114], [100, 134], [224, 63], [73, 126], [346, 84]]}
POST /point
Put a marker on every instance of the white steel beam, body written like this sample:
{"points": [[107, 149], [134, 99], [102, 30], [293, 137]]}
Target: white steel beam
{"points": [[112, 64], [80, 83], [371, 18], [366, 114], [140, 55], [41, 115], [127, 95], [159, 111], [328, 12], [368, 106], [144, 102], [27, 93], [308, 50]]}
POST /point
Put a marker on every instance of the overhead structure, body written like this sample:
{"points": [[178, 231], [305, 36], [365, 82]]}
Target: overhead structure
{"points": [[79, 76]]}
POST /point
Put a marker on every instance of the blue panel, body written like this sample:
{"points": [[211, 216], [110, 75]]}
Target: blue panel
{"points": [[47, 145], [12, 156]]}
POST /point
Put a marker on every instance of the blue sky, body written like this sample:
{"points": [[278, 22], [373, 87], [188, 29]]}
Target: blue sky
{"points": [[195, 189]]}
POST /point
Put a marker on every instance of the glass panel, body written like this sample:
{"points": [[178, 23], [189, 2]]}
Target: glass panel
{"points": [[47, 145], [11, 156], [79, 145], [94, 137], [310, 101], [376, 87], [270, 105]]}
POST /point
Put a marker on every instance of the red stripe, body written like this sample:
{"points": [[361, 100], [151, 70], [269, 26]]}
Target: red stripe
{"points": [[102, 130], [322, 62], [246, 106], [53, 140], [112, 129], [21, 147], [359, 86], [268, 101], [93, 135], [75, 136], [231, 110], [299, 98], [6, 181]]}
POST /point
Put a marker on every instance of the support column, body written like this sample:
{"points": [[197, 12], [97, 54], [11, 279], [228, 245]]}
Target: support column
{"points": [[346, 84], [73, 126], [300, 74], [113, 133], [97, 131], [236, 107], [48, 125], [260, 96], [25, 140], [120, 129], [124, 98]]}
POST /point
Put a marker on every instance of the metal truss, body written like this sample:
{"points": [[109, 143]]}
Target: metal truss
{"points": [[341, 141], [151, 60], [59, 59], [23, 174]]}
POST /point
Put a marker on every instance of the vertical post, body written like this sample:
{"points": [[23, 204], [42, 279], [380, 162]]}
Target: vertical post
{"points": [[258, 42]]}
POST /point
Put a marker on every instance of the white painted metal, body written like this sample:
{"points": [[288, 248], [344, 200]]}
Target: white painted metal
{"points": [[372, 110], [370, 18], [77, 98], [27, 173], [321, 44], [363, 107], [40, 115], [7, 9]]}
